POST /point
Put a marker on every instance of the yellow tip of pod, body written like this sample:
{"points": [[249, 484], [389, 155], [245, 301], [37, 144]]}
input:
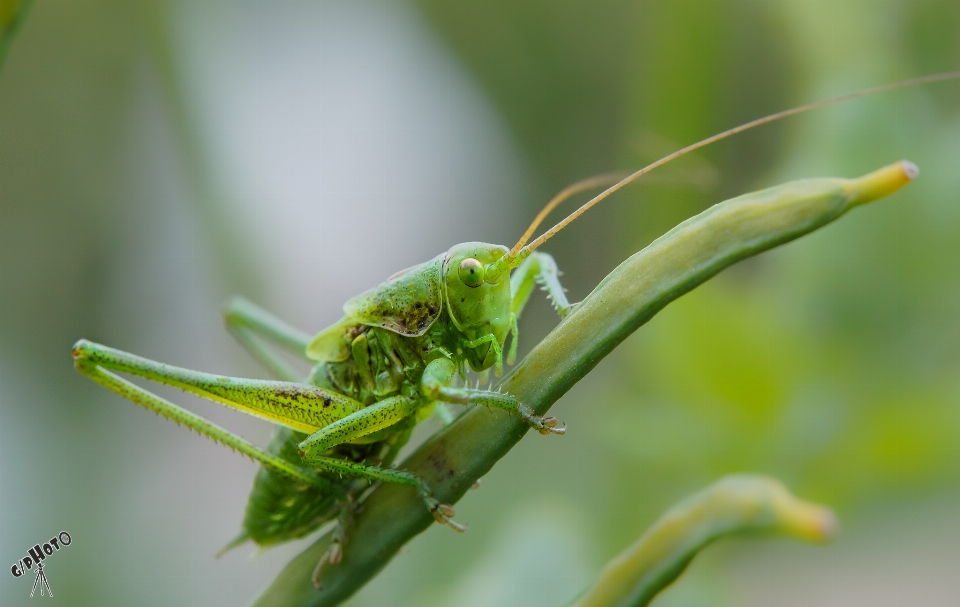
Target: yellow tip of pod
{"points": [[801, 519], [881, 182]]}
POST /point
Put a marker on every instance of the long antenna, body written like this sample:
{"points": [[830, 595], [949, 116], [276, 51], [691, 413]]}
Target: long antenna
{"points": [[695, 146], [571, 190]]}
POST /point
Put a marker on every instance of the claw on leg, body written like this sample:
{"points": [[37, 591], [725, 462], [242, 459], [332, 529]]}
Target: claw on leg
{"points": [[549, 426], [333, 555], [543, 425], [443, 514]]}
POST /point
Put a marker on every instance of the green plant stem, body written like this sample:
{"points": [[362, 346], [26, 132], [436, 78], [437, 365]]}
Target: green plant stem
{"points": [[453, 459], [736, 504]]}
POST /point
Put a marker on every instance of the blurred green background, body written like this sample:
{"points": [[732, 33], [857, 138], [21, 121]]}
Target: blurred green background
{"points": [[157, 156]]}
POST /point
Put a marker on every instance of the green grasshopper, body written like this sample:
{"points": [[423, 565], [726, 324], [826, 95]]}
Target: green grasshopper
{"points": [[378, 372], [398, 354]]}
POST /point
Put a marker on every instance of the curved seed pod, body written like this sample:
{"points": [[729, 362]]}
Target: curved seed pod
{"points": [[736, 504], [634, 292]]}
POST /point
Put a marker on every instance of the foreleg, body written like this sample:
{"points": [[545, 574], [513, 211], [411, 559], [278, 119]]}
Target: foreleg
{"points": [[494, 346], [539, 268], [438, 375]]}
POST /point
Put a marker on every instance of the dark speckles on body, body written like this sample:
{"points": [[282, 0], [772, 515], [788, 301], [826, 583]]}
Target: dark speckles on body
{"points": [[291, 392]]}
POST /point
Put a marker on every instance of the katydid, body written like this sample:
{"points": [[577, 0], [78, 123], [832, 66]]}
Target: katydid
{"points": [[401, 350]]}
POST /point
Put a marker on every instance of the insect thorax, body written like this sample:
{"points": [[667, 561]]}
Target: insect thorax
{"points": [[383, 363]]}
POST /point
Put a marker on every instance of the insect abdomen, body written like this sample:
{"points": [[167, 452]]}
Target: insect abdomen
{"points": [[279, 508]]}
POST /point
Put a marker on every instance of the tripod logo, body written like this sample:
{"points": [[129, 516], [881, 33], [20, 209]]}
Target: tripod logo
{"points": [[36, 556]]}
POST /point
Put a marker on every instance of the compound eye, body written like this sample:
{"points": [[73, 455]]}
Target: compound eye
{"points": [[471, 272]]}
